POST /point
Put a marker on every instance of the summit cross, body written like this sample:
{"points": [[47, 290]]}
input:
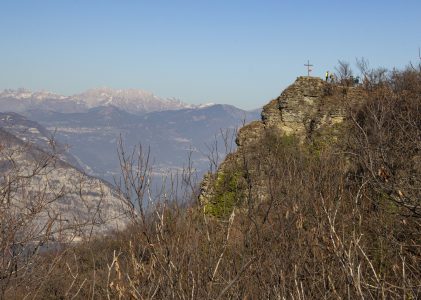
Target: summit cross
{"points": [[308, 65]]}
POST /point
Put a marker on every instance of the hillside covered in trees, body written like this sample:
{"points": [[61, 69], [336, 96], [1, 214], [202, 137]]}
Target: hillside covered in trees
{"points": [[321, 200]]}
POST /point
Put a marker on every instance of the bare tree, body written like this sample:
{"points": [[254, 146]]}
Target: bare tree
{"points": [[344, 72]]}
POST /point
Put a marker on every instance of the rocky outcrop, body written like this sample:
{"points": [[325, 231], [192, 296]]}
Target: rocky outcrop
{"points": [[307, 105], [249, 133], [303, 109]]}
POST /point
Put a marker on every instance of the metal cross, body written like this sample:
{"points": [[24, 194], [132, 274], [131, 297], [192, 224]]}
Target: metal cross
{"points": [[308, 67]]}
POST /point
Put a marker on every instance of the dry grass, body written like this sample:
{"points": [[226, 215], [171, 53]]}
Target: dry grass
{"points": [[339, 222]]}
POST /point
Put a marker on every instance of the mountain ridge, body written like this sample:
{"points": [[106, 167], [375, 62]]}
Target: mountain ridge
{"points": [[136, 101], [94, 134]]}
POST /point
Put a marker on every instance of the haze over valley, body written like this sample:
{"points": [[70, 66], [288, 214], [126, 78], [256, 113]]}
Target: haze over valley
{"points": [[88, 126]]}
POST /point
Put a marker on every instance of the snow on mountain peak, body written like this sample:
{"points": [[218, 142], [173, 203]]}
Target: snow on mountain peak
{"points": [[206, 105], [22, 93], [130, 100]]}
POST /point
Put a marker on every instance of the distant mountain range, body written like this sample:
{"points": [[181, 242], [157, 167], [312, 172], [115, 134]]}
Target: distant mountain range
{"points": [[172, 135], [83, 131], [86, 128], [131, 100]]}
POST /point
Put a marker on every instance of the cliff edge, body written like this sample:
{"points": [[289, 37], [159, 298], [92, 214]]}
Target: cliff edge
{"points": [[306, 109]]}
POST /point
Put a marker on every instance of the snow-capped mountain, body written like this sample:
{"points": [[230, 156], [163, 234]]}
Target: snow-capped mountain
{"points": [[27, 94], [22, 100], [130, 100], [91, 123]]}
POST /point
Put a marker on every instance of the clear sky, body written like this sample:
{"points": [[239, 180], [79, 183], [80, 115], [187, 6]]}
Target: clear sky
{"points": [[237, 52]]}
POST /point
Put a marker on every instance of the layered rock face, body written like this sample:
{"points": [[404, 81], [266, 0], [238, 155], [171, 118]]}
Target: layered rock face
{"points": [[46, 198], [304, 108]]}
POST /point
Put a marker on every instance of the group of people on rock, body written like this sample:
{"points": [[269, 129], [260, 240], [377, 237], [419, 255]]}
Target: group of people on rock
{"points": [[330, 77]]}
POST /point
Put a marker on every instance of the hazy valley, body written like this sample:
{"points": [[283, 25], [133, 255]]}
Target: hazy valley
{"points": [[88, 127]]}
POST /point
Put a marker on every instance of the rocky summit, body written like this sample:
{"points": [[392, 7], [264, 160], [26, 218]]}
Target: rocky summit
{"points": [[307, 108]]}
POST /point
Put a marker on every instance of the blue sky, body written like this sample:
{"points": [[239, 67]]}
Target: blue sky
{"points": [[237, 52]]}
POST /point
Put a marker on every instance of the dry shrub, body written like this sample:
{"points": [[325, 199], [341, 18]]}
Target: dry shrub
{"points": [[340, 221]]}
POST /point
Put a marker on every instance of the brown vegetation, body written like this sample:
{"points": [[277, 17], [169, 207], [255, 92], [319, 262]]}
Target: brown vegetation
{"points": [[340, 218]]}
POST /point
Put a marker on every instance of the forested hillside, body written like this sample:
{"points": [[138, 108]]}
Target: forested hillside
{"points": [[321, 200]]}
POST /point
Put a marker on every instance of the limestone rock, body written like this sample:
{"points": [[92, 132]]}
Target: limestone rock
{"points": [[250, 133], [303, 108]]}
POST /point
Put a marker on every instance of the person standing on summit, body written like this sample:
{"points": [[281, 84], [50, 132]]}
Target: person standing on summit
{"points": [[327, 75]]}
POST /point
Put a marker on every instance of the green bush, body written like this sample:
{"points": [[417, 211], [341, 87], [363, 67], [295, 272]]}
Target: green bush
{"points": [[228, 193]]}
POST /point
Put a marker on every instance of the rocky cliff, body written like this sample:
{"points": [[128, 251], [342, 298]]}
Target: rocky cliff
{"points": [[45, 198], [307, 108]]}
